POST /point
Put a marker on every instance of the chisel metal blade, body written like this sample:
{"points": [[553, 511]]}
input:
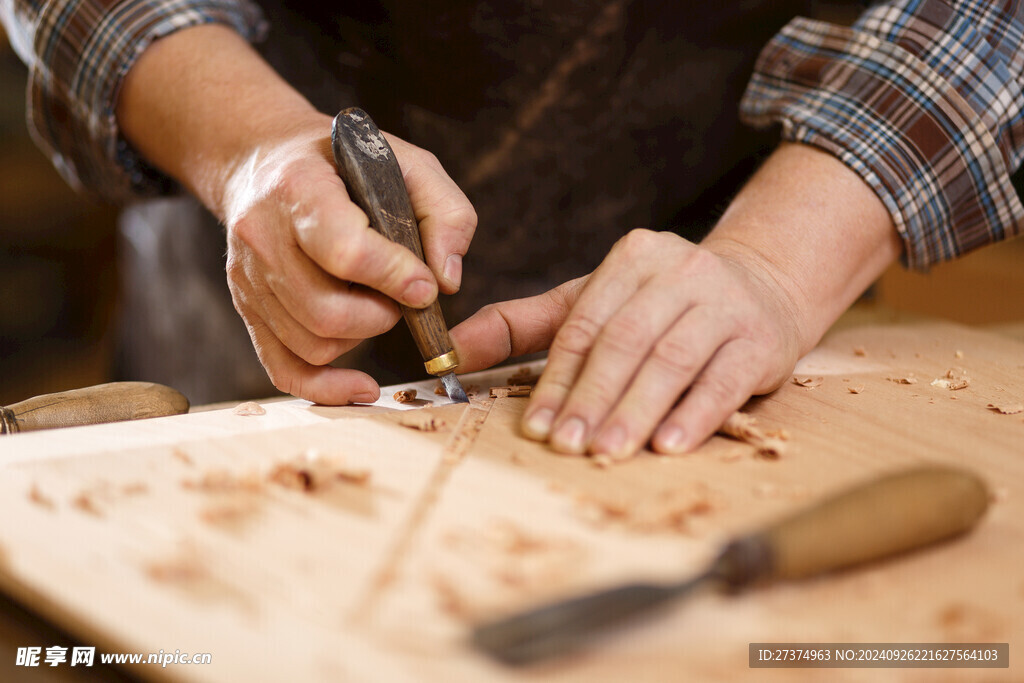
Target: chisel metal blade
{"points": [[453, 387]]}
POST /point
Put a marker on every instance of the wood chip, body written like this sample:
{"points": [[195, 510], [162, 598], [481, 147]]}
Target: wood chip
{"points": [[312, 471], [182, 456], [958, 354], [739, 425], [808, 382], [670, 512], [1011, 409], [37, 497], [175, 570], [135, 488], [422, 421], [908, 379], [85, 502], [229, 512], [511, 390], [859, 351], [856, 389], [249, 408], [223, 481], [405, 395], [952, 380], [523, 375]]}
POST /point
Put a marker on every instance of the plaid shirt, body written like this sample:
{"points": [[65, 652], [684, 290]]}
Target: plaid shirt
{"points": [[920, 97]]}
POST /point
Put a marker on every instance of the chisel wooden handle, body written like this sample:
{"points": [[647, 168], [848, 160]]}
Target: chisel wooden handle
{"points": [[889, 515], [113, 402], [374, 180]]}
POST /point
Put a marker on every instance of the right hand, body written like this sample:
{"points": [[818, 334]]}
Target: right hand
{"points": [[308, 275]]}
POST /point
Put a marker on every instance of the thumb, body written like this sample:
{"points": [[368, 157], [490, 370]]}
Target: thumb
{"points": [[513, 328]]}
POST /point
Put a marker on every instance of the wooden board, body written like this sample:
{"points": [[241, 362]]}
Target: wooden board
{"points": [[381, 582]]}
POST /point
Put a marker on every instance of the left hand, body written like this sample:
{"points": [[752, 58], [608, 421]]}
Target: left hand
{"points": [[660, 319]]}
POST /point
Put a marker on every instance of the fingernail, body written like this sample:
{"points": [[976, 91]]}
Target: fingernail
{"points": [[671, 439], [610, 442], [418, 293], [538, 425], [569, 436], [363, 398], [453, 270]]}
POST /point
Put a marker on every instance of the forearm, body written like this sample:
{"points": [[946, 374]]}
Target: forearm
{"points": [[201, 103], [813, 226]]}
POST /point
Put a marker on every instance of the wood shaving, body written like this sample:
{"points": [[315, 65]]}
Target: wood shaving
{"points": [[769, 444], [1012, 409], [958, 354], [511, 390], [424, 422], [181, 455], [311, 471], [909, 379], [451, 599], [523, 376], [859, 351], [672, 511], [223, 481], [405, 395], [500, 565], [229, 512], [249, 408], [808, 382], [85, 502], [952, 380], [439, 389], [37, 497], [175, 570], [856, 389]]}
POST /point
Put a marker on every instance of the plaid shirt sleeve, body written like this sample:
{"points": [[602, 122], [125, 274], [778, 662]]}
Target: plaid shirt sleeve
{"points": [[78, 52], [922, 98]]}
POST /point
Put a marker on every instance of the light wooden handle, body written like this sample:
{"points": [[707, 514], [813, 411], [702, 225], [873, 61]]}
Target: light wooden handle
{"points": [[374, 181], [890, 515], [113, 402]]}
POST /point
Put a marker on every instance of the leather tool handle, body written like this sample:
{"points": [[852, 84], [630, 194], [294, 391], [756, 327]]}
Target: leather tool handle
{"points": [[374, 180], [890, 515], [113, 402]]}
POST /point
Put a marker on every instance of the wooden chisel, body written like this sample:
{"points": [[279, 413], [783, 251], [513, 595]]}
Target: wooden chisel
{"points": [[112, 402], [374, 180], [883, 517]]}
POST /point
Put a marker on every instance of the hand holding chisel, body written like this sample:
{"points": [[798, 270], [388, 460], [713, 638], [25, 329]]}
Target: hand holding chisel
{"points": [[374, 180]]}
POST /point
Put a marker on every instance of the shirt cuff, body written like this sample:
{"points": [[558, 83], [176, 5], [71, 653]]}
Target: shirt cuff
{"points": [[928, 129], [84, 49]]}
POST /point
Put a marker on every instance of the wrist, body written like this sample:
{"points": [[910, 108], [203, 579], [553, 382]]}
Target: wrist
{"points": [[201, 104], [810, 229]]}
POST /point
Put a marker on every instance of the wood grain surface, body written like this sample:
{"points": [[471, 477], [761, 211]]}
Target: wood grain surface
{"points": [[191, 544]]}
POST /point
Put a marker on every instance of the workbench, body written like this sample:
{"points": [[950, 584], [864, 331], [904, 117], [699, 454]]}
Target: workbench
{"points": [[190, 533]]}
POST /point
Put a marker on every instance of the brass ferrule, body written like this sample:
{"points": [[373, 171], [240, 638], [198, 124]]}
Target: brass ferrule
{"points": [[444, 363]]}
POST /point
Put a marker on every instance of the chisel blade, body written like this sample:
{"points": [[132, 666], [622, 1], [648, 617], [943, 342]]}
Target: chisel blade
{"points": [[453, 387]]}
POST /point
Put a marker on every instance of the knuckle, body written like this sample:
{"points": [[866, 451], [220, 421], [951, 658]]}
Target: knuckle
{"points": [[636, 241], [626, 335], [721, 390], [674, 358], [576, 336]]}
